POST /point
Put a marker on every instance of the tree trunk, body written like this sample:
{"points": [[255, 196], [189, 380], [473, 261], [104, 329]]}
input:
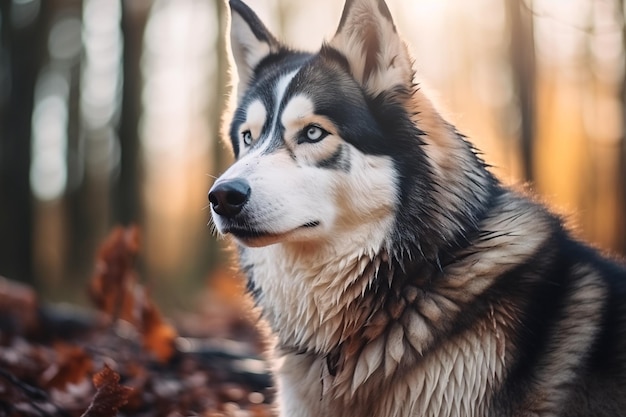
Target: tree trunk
{"points": [[622, 168], [126, 197], [522, 58], [223, 90], [25, 49]]}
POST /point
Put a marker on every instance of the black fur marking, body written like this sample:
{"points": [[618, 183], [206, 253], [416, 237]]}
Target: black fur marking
{"points": [[238, 119], [332, 362], [248, 271], [311, 224], [282, 62], [246, 233], [252, 288], [337, 160], [331, 54]]}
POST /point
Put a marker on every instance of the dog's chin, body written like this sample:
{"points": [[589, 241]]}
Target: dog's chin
{"points": [[257, 238]]}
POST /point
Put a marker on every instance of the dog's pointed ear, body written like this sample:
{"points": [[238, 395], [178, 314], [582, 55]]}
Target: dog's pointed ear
{"points": [[367, 37], [250, 41]]}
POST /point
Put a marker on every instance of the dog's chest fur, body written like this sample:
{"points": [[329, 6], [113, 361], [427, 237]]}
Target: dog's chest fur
{"points": [[454, 380], [304, 298]]}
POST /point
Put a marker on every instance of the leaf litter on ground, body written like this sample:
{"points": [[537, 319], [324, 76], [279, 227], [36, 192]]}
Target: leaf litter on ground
{"points": [[124, 358]]}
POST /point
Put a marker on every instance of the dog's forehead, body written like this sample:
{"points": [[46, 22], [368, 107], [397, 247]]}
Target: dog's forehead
{"points": [[323, 82], [326, 84]]}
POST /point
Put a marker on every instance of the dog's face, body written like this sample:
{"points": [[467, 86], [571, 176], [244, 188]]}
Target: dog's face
{"points": [[312, 159]]}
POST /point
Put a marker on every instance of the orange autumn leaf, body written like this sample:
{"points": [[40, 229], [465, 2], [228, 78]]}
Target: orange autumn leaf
{"points": [[72, 365], [114, 276], [110, 395], [115, 291], [158, 336]]}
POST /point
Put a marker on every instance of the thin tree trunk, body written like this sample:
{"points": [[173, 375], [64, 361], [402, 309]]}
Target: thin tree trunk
{"points": [[621, 242], [25, 50], [223, 90], [126, 196], [522, 57]]}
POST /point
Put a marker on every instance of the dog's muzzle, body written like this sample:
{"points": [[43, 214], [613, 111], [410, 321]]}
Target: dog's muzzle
{"points": [[229, 197]]}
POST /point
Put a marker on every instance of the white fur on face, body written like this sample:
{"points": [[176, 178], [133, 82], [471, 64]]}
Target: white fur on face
{"points": [[288, 194]]}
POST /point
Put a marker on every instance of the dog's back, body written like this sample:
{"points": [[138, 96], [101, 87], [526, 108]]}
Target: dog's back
{"points": [[571, 349], [399, 277]]}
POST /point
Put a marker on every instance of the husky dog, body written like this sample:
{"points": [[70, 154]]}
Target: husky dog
{"points": [[398, 276]]}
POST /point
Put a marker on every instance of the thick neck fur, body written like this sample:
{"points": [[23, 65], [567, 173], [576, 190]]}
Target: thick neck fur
{"points": [[304, 290], [455, 194]]}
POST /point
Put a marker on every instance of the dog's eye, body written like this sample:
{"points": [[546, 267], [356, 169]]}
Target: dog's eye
{"points": [[313, 133], [246, 135]]}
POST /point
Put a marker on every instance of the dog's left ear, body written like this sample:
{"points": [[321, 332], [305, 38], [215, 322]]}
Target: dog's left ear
{"points": [[367, 37], [250, 41]]}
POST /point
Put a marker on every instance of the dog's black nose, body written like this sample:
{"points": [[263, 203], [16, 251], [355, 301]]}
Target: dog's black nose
{"points": [[229, 197]]}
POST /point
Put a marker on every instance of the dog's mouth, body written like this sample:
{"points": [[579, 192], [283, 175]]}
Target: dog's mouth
{"points": [[255, 237]]}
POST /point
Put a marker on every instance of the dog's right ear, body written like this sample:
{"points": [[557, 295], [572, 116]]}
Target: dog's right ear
{"points": [[250, 41], [378, 57]]}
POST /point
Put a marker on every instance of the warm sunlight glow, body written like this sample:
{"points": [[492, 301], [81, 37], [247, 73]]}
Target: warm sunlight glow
{"points": [[178, 66]]}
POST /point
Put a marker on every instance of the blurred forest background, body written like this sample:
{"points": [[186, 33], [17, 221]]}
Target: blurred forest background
{"points": [[110, 113]]}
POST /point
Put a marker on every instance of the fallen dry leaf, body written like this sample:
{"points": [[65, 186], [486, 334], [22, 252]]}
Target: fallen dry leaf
{"points": [[17, 297], [114, 276], [46, 368], [115, 291], [72, 365], [158, 336], [110, 395]]}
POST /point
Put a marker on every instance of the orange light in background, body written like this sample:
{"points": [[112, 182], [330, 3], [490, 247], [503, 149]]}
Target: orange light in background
{"points": [[581, 54], [178, 68]]}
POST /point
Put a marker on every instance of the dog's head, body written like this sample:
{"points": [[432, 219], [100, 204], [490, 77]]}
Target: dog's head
{"points": [[310, 154], [327, 144]]}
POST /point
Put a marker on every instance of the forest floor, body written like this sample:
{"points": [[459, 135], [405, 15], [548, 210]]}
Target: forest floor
{"points": [[123, 358]]}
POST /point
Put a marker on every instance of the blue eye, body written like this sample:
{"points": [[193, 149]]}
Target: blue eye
{"points": [[313, 133], [246, 135]]}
